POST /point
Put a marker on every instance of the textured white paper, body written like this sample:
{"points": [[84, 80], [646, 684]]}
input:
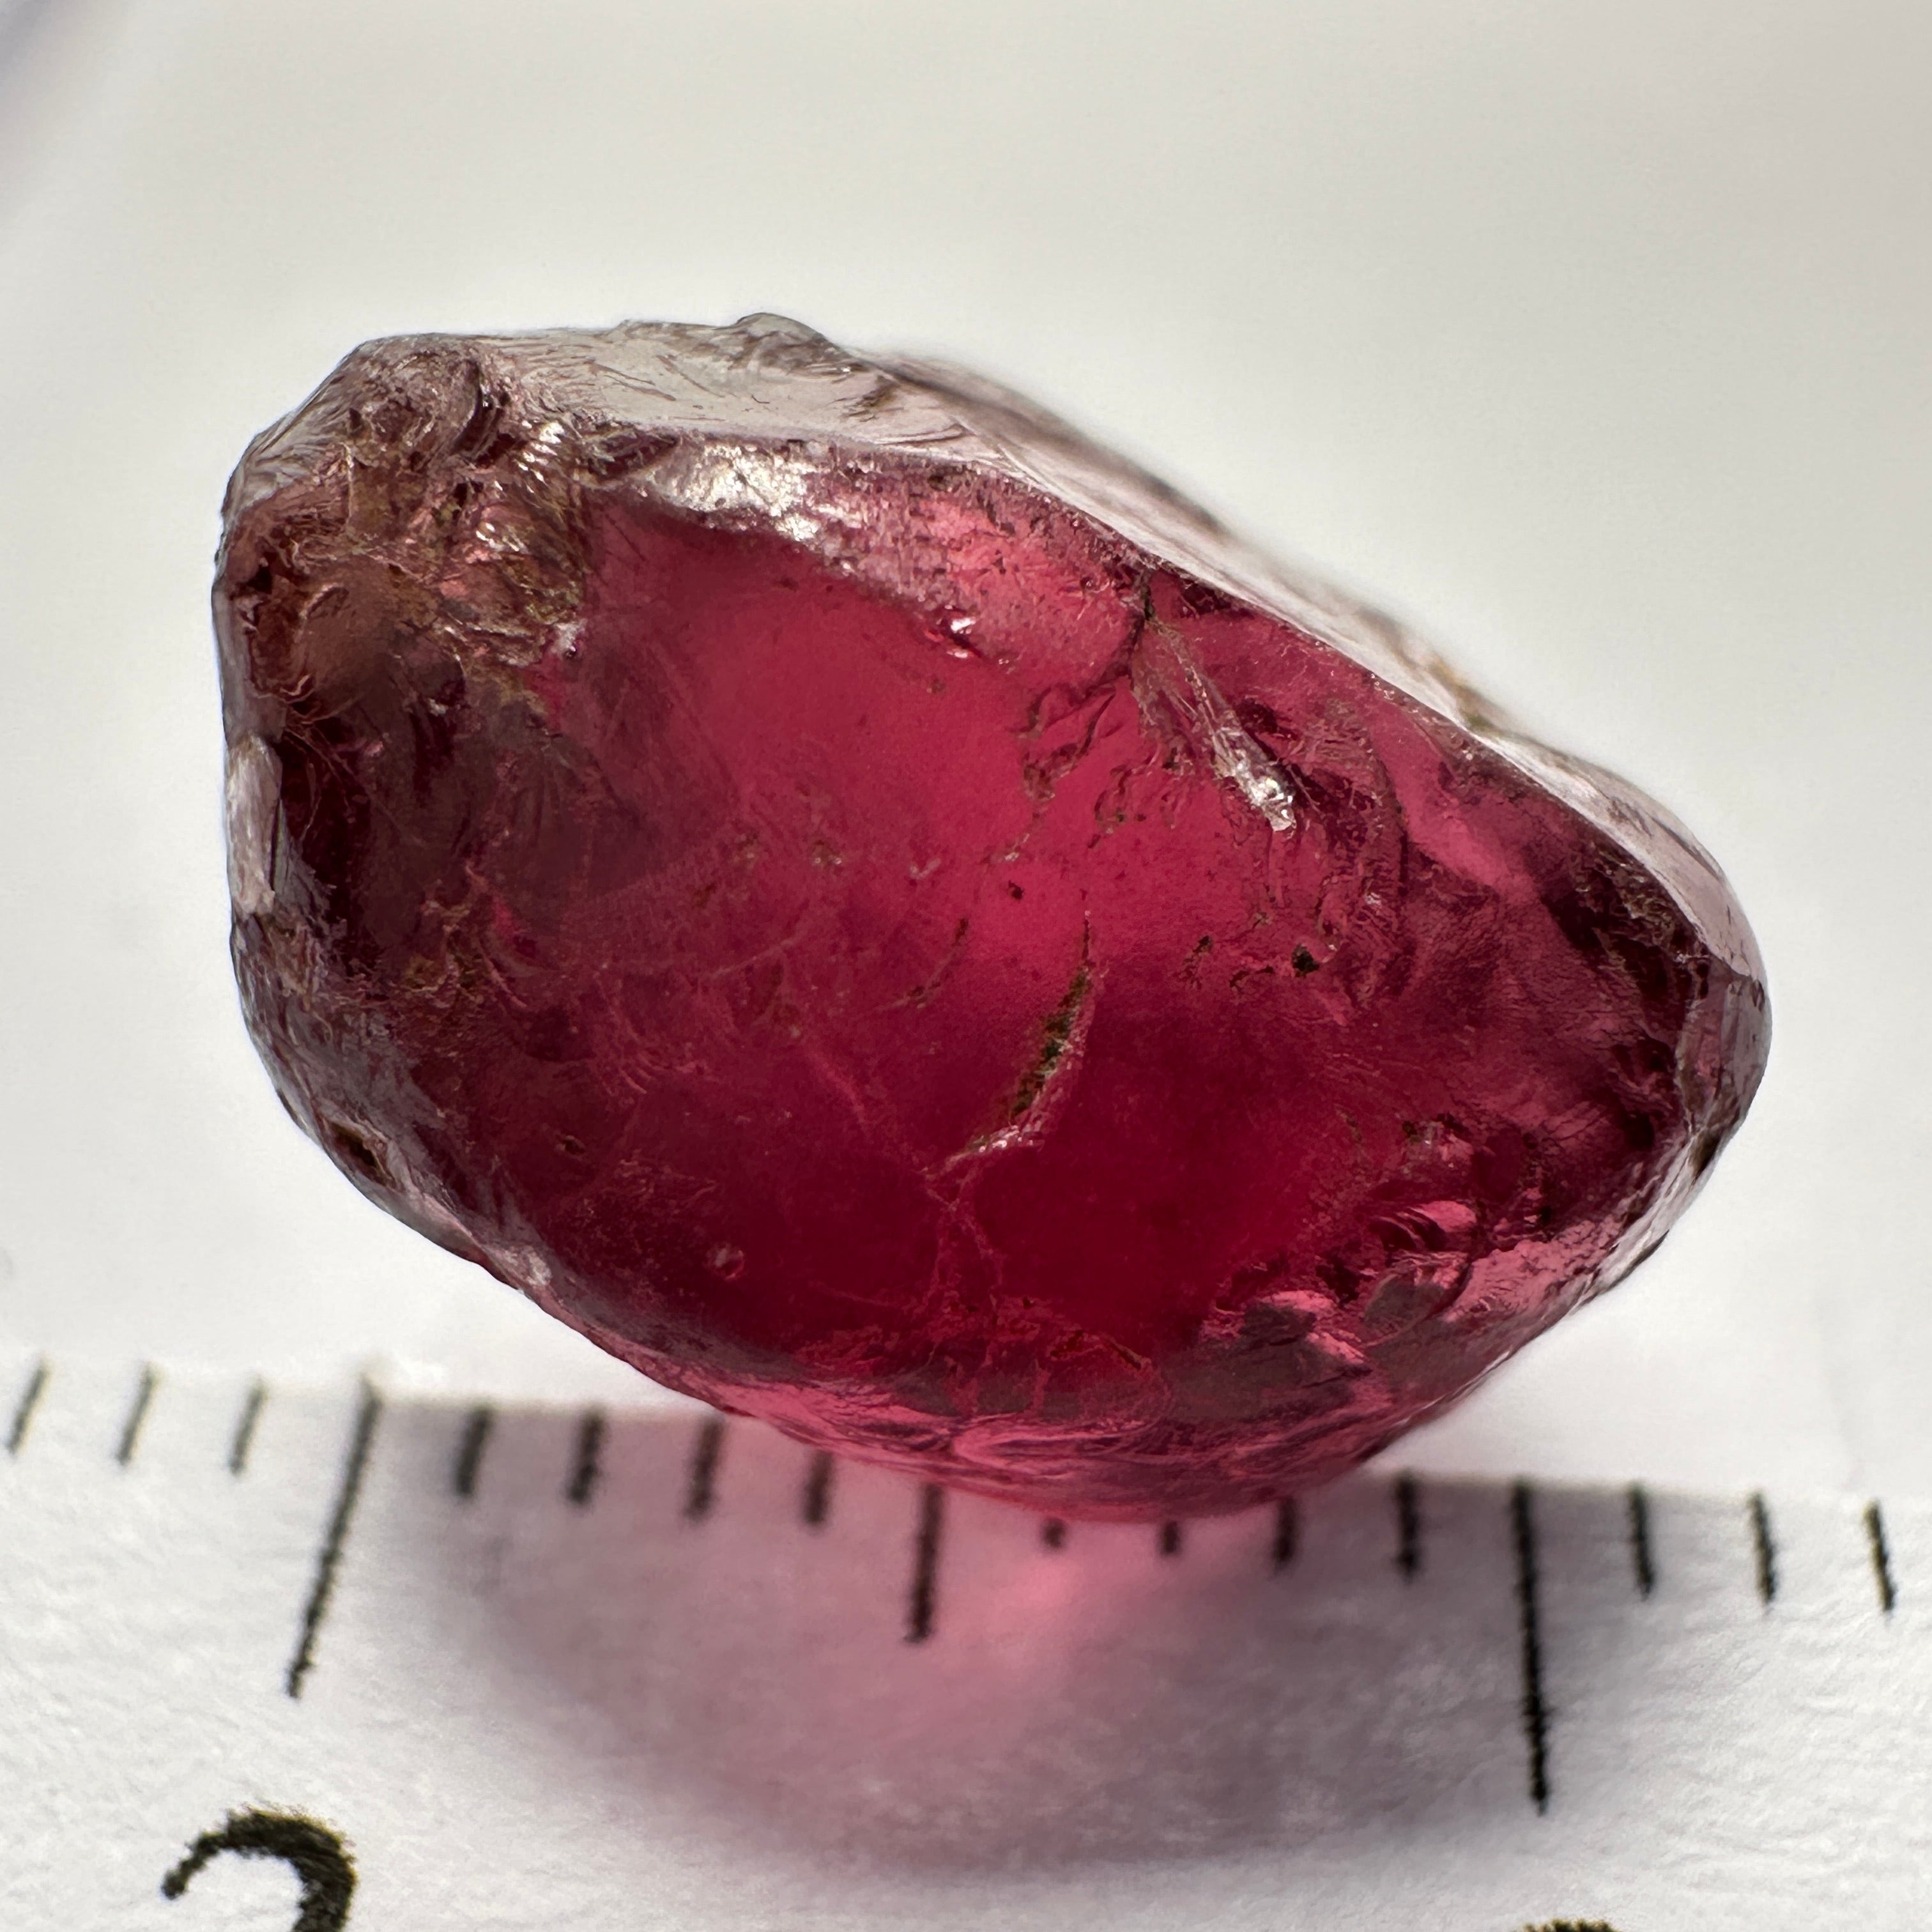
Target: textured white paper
{"points": [[522, 1711]]}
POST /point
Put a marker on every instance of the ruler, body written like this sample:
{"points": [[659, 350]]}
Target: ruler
{"points": [[318, 1657]]}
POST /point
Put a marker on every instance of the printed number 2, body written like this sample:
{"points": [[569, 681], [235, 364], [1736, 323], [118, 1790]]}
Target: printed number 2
{"points": [[318, 1857], [322, 1862]]}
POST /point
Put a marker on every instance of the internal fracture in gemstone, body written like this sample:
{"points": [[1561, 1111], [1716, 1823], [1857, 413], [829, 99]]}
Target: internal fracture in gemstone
{"points": [[889, 919]]}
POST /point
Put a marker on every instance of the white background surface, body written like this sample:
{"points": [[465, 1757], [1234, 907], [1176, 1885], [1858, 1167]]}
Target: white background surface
{"points": [[1594, 338]]}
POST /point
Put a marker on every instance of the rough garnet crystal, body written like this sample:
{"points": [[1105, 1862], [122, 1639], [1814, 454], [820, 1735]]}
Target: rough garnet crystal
{"points": [[887, 919]]}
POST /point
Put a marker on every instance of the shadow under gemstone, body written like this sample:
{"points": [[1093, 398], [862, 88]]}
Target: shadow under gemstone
{"points": [[826, 1659]]}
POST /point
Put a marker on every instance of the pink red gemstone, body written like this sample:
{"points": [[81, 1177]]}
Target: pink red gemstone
{"points": [[888, 920]]}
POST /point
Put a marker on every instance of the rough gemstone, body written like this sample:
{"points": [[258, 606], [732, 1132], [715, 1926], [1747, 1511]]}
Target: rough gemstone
{"points": [[885, 917]]}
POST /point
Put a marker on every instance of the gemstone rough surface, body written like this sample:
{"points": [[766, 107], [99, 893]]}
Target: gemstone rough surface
{"points": [[887, 919]]}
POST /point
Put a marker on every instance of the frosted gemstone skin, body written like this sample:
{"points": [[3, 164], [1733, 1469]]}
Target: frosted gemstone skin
{"points": [[888, 919]]}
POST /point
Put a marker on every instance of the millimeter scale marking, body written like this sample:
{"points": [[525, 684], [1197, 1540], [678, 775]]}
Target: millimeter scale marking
{"points": [[130, 1430], [328, 1557], [246, 1424], [1881, 1557], [1426, 1520], [1287, 1532], [31, 1393], [1535, 1713], [815, 1506], [477, 1426], [1408, 1497], [1643, 1566], [1764, 1548], [707, 1452], [588, 1465]]}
